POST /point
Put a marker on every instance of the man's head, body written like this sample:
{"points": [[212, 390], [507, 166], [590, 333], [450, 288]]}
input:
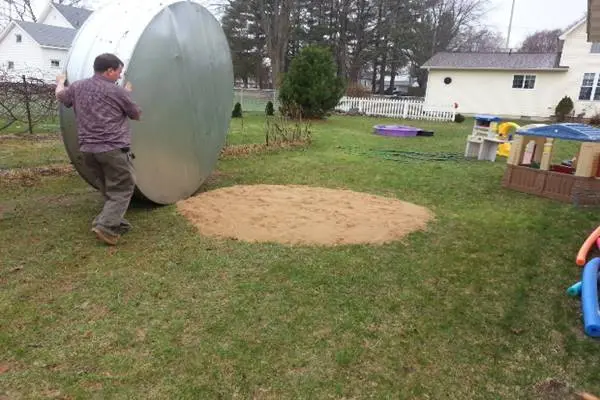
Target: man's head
{"points": [[109, 66]]}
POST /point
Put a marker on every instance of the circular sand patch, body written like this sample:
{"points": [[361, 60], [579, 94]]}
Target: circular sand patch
{"points": [[302, 215]]}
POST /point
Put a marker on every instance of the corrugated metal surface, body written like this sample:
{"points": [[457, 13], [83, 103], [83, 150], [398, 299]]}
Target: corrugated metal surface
{"points": [[178, 60]]}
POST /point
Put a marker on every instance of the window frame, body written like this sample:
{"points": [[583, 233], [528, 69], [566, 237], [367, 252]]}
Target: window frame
{"points": [[52, 62], [592, 84], [524, 81]]}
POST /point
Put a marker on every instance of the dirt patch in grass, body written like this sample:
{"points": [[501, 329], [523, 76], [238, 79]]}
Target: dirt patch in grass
{"points": [[302, 215], [553, 389], [31, 176]]}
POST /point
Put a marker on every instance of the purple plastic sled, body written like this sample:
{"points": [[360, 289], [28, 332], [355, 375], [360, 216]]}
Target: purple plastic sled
{"points": [[395, 130]]}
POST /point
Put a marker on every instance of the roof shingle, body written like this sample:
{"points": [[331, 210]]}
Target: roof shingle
{"points": [[48, 35], [75, 15], [514, 61]]}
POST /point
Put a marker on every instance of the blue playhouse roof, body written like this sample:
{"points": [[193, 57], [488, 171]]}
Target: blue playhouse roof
{"points": [[488, 118], [568, 131]]}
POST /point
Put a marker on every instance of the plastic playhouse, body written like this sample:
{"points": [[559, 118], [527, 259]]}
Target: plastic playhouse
{"points": [[490, 138], [530, 170], [587, 288]]}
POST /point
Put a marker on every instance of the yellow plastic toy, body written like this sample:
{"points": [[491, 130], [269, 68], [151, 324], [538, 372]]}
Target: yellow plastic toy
{"points": [[504, 131]]}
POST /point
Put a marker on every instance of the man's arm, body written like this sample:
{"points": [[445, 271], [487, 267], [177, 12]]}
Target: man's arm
{"points": [[62, 93], [132, 110]]}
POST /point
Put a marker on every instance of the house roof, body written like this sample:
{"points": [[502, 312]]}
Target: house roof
{"points": [[572, 28], [48, 35], [568, 131], [75, 15], [504, 61]]}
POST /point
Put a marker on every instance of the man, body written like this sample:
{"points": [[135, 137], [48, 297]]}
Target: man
{"points": [[102, 109]]}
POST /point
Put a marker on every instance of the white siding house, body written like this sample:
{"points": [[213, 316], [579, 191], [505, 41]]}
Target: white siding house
{"points": [[41, 49], [583, 60], [519, 84]]}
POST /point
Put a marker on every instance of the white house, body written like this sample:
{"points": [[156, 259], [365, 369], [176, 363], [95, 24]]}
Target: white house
{"points": [[41, 49], [519, 84]]}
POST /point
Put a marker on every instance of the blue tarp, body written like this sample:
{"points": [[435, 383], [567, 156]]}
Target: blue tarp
{"points": [[567, 131]]}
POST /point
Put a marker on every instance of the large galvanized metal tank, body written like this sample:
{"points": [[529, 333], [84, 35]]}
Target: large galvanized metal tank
{"points": [[178, 60]]}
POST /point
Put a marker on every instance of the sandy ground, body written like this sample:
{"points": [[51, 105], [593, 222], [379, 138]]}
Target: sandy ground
{"points": [[302, 215]]}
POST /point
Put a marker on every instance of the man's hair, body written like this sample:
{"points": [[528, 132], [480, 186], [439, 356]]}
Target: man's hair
{"points": [[105, 61]]}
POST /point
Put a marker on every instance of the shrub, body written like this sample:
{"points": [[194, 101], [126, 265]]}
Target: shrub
{"points": [[269, 110], [459, 118], [565, 107], [595, 120], [237, 111], [358, 90], [312, 83]]}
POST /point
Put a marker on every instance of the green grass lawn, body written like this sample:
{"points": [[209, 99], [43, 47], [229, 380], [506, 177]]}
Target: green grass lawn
{"points": [[473, 308]]}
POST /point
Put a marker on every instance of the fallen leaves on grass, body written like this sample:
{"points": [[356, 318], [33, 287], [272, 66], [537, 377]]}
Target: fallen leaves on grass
{"points": [[249, 149], [31, 176]]}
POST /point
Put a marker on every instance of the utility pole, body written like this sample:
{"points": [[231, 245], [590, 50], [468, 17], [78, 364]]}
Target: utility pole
{"points": [[512, 13]]}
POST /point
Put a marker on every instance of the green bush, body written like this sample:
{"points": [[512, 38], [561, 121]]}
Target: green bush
{"points": [[237, 111], [269, 110], [459, 118], [565, 107], [312, 83]]}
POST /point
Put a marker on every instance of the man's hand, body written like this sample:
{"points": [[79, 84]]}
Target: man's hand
{"points": [[129, 87], [60, 86]]}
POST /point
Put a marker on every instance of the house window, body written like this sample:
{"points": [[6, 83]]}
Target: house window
{"points": [[523, 82], [55, 63], [11, 65], [595, 47], [19, 38], [587, 87]]}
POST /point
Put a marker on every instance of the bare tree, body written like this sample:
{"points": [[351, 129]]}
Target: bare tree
{"points": [[274, 16], [23, 10], [440, 22], [476, 39], [25, 99], [541, 42]]}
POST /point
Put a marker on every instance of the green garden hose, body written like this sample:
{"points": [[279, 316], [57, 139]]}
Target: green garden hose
{"points": [[408, 156]]}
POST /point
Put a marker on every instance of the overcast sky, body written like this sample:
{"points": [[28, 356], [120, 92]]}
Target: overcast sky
{"points": [[529, 16], [534, 15]]}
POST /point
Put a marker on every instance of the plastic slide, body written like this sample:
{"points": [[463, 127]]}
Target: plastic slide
{"points": [[503, 150], [505, 128], [589, 298], [586, 246]]}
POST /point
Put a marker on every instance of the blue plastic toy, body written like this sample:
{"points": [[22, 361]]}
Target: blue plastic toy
{"points": [[589, 298], [574, 290]]}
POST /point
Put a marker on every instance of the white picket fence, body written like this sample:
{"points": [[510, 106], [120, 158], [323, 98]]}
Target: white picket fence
{"points": [[396, 108]]}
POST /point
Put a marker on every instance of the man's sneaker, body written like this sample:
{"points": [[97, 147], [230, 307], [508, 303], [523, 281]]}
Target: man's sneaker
{"points": [[106, 237], [125, 226]]}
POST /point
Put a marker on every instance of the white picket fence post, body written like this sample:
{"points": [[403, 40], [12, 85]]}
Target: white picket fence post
{"points": [[396, 108]]}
